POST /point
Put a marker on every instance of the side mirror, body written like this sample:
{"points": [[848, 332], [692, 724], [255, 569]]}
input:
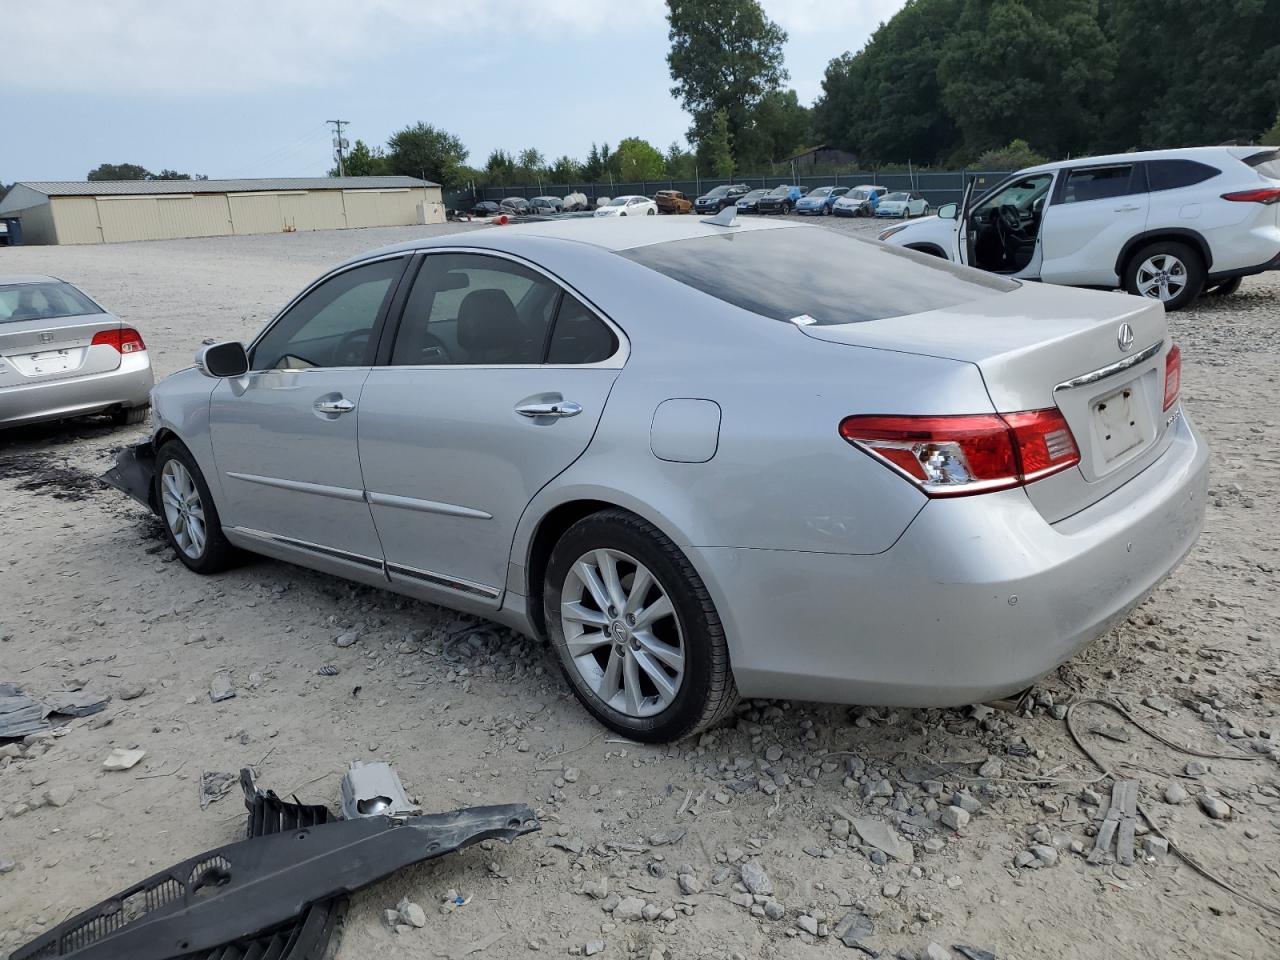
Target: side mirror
{"points": [[221, 360], [948, 211]]}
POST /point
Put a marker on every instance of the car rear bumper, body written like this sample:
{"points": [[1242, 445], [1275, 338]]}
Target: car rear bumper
{"points": [[129, 385], [976, 600]]}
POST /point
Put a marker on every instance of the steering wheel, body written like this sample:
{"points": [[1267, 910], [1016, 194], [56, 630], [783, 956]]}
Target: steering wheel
{"points": [[1009, 217], [347, 353]]}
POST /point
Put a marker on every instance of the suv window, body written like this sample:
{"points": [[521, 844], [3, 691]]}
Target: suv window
{"points": [[579, 335], [1266, 163], [820, 275], [332, 325], [1171, 174], [1100, 183], [468, 308]]}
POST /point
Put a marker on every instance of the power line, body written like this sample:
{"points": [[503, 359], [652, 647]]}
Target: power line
{"points": [[338, 143], [280, 153]]}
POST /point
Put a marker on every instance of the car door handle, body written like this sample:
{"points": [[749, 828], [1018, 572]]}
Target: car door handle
{"points": [[341, 405], [560, 408], [1128, 209]]}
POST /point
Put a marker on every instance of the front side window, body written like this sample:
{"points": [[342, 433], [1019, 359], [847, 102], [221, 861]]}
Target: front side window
{"points": [[332, 326], [1100, 183], [468, 308], [1020, 193], [48, 300]]}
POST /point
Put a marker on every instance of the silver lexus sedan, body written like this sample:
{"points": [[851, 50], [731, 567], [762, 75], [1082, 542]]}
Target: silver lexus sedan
{"points": [[62, 355], [704, 459]]}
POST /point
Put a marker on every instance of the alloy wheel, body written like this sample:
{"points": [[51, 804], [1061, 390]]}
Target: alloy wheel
{"points": [[622, 633], [183, 510], [1161, 277]]}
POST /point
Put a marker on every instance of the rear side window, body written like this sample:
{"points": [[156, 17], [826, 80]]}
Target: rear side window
{"points": [[43, 301], [1171, 174], [579, 335], [1100, 183], [811, 275], [1266, 163]]}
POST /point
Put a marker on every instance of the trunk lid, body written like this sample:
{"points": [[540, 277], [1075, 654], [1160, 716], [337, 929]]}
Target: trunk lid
{"points": [[1040, 347], [36, 351]]}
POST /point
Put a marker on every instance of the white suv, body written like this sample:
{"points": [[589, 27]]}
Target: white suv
{"points": [[1164, 224]]}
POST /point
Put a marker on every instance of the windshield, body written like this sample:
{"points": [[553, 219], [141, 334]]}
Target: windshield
{"points": [[617, 202], [820, 192], [49, 300], [823, 276], [895, 196], [856, 195], [779, 191], [717, 192], [755, 194]]}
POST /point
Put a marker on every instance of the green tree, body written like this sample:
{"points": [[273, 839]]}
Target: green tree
{"points": [[119, 171], [715, 151], [501, 168], [363, 161], [1272, 137], [778, 127], [565, 170], [531, 159], [1015, 156], [594, 165], [681, 163], [637, 159], [726, 55], [426, 151]]}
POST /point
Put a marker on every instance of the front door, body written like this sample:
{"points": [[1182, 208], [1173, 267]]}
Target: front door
{"points": [[494, 385], [1095, 211], [284, 435]]}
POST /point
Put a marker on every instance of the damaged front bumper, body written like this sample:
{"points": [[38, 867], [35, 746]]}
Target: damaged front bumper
{"points": [[135, 474]]}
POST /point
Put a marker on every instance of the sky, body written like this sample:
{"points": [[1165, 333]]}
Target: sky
{"points": [[242, 88]]}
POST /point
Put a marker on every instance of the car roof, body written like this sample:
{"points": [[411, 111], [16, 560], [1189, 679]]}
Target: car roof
{"points": [[1177, 153], [606, 233], [27, 278]]}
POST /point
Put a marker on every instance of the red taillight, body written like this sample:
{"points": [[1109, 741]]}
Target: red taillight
{"points": [[956, 456], [1261, 195], [1172, 376], [124, 340]]}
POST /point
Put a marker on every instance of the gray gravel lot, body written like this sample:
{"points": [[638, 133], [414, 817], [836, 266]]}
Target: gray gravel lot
{"points": [[89, 597]]}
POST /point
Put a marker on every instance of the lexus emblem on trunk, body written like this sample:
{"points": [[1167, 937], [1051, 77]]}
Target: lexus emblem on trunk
{"points": [[1125, 337]]}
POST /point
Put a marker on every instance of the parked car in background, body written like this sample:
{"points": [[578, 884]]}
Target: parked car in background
{"points": [[820, 200], [1161, 224], [542, 431], [672, 201], [576, 203], [546, 205], [62, 355], [486, 208], [627, 206], [781, 199], [514, 206], [717, 198], [750, 202], [902, 203], [859, 201]]}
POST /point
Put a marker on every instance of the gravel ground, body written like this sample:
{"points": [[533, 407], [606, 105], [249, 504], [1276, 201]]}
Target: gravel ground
{"points": [[766, 838]]}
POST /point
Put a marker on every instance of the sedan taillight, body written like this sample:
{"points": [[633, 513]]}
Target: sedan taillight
{"points": [[124, 340], [1172, 376], [955, 456]]}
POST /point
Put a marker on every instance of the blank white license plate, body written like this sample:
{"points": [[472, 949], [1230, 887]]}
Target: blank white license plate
{"points": [[1119, 421], [48, 362]]}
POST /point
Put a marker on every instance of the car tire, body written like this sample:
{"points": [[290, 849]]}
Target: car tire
{"points": [[604, 662], [208, 551], [1226, 288], [129, 416], [786, 209], [650, 212], [1173, 260]]}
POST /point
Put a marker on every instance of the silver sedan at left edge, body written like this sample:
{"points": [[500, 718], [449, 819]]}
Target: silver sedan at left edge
{"points": [[62, 355], [701, 458]]}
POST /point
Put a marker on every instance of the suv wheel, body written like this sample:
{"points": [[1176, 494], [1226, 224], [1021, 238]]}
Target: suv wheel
{"points": [[190, 519], [635, 631], [1167, 271], [786, 207]]}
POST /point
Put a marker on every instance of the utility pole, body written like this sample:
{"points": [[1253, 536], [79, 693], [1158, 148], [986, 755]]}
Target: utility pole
{"points": [[338, 143]]}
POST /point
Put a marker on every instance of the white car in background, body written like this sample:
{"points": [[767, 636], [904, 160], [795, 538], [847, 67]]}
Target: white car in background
{"points": [[628, 206], [1162, 224], [857, 202], [902, 204]]}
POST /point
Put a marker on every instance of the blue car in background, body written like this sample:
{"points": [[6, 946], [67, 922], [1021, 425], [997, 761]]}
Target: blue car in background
{"points": [[820, 200]]}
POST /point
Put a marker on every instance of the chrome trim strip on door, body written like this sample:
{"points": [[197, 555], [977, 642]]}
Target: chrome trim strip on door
{"points": [[451, 583], [425, 506], [300, 486], [1111, 369], [356, 558]]}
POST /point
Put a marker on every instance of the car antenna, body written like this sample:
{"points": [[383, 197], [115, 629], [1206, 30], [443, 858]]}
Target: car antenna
{"points": [[728, 217]]}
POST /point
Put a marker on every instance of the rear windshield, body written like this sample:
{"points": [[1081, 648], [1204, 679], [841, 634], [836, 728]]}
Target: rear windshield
{"points": [[1266, 163], [43, 301], [812, 275]]}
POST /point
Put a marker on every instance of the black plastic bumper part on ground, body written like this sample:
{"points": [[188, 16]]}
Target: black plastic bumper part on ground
{"points": [[135, 473]]}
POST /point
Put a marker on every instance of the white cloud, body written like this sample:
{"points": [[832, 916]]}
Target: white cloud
{"points": [[237, 46], [823, 16]]}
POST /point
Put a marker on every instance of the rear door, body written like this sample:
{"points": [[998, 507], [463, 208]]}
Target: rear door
{"points": [[493, 385], [47, 329], [1092, 213], [284, 435]]}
